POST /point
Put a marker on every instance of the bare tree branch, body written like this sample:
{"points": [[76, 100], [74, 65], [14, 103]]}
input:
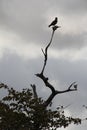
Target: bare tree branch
{"points": [[45, 80], [34, 90], [46, 52], [72, 87], [55, 92]]}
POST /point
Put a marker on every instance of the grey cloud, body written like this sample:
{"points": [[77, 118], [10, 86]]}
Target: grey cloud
{"points": [[18, 73], [70, 41], [67, 72], [70, 7], [25, 18]]}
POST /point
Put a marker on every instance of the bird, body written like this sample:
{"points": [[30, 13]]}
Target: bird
{"points": [[54, 22]]}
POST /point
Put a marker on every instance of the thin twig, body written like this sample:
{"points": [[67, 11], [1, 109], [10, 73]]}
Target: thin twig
{"points": [[34, 90], [46, 53]]}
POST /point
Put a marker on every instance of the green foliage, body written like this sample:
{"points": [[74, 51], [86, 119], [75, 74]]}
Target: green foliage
{"points": [[22, 111]]}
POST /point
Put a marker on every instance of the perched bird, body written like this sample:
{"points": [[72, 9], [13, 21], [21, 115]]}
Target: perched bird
{"points": [[53, 22]]}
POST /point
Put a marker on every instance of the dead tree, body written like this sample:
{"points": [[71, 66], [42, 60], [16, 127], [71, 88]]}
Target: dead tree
{"points": [[54, 92]]}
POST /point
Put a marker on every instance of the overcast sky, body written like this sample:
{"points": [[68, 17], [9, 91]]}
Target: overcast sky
{"points": [[24, 31]]}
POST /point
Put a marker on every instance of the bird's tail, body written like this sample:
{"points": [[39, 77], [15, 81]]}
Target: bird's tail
{"points": [[49, 25]]}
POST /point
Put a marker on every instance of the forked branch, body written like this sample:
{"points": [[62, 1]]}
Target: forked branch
{"points": [[72, 87]]}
